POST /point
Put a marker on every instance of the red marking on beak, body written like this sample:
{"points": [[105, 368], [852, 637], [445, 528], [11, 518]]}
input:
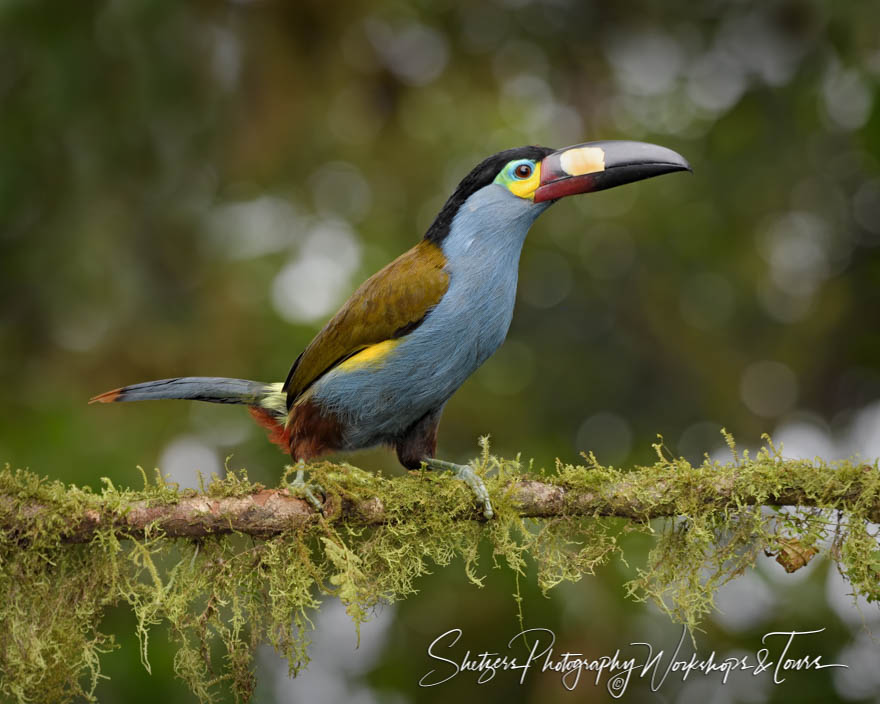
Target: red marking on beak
{"points": [[565, 186]]}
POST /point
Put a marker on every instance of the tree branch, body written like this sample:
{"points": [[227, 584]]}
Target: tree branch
{"points": [[205, 589], [642, 494]]}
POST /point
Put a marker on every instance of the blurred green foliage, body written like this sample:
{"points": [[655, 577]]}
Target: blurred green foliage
{"points": [[172, 172]]}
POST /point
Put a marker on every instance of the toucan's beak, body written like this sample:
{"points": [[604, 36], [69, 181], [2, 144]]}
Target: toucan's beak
{"points": [[595, 166]]}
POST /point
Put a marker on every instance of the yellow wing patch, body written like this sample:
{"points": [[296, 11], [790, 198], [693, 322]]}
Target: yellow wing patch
{"points": [[369, 355], [368, 326]]}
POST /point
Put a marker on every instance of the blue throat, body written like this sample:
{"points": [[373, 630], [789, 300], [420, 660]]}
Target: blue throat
{"points": [[483, 250], [377, 404]]}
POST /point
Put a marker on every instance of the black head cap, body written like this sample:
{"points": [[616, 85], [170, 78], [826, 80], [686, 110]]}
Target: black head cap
{"points": [[482, 175]]}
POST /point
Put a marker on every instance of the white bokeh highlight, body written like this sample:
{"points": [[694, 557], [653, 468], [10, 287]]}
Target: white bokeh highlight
{"points": [[335, 673], [252, 228], [185, 457], [317, 279]]}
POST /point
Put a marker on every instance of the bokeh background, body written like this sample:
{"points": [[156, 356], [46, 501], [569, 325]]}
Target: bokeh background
{"points": [[192, 188]]}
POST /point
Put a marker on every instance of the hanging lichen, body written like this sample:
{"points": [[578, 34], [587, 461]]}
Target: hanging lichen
{"points": [[227, 593]]}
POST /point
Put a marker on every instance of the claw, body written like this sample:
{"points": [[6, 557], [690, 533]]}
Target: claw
{"points": [[466, 474], [299, 487]]}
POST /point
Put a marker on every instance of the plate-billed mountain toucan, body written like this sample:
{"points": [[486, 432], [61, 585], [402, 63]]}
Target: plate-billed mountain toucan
{"points": [[382, 368]]}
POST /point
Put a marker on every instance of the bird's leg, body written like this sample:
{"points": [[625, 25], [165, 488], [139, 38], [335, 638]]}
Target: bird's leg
{"points": [[469, 477], [299, 487], [418, 445]]}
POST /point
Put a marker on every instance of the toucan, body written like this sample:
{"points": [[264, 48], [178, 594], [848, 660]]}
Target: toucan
{"points": [[380, 371]]}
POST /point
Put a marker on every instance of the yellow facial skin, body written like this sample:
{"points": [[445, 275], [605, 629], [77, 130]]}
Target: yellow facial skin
{"points": [[526, 188], [520, 187]]}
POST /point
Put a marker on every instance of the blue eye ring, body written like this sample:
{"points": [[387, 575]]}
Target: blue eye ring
{"points": [[522, 171]]}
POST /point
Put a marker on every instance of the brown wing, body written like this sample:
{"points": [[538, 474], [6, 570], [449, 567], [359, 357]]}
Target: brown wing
{"points": [[389, 304]]}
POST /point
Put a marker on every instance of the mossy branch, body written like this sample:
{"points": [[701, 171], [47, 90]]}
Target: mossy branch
{"points": [[237, 563], [639, 494]]}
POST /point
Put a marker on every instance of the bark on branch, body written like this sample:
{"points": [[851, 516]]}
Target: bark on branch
{"points": [[640, 496]]}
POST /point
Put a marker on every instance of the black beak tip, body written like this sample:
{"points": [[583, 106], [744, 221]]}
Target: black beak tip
{"points": [[669, 165], [634, 161], [674, 161]]}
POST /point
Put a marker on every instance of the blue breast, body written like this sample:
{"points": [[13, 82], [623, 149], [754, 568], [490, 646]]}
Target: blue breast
{"points": [[376, 404]]}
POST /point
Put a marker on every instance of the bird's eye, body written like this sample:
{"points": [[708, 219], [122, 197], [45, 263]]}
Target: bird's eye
{"points": [[523, 171]]}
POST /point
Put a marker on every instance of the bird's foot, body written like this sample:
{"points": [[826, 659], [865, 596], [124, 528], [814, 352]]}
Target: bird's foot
{"points": [[300, 487], [469, 477]]}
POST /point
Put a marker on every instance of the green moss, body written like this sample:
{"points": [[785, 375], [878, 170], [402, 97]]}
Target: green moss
{"points": [[235, 591]]}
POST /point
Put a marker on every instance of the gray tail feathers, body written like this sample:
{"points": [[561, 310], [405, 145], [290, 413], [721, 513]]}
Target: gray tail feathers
{"points": [[213, 389]]}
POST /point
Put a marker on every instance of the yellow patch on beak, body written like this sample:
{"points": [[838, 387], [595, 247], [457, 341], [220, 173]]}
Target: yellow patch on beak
{"points": [[583, 160], [527, 187]]}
